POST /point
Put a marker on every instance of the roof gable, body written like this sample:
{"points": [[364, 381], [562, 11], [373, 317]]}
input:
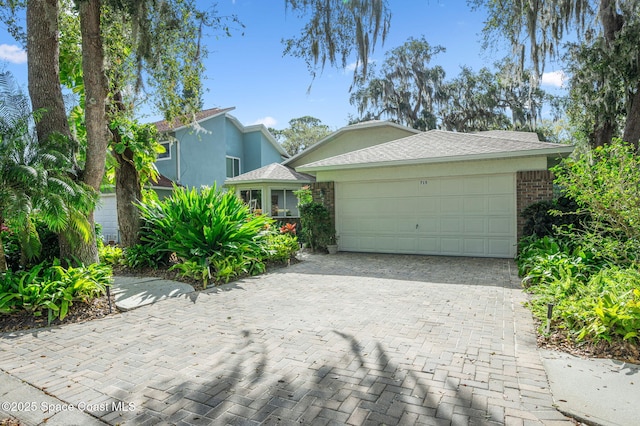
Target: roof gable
{"points": [[339, 140], [438, 146]]}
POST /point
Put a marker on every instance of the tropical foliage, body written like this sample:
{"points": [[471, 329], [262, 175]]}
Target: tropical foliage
{"points": [[591, 272], [36, 180], [51, 289], [212, 233]]}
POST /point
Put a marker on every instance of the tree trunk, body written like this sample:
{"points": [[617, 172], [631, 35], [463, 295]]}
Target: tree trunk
{"points": [[43, 71], [95, 116], [128, 187], [603, 134], [632, 125], [128, 192]]}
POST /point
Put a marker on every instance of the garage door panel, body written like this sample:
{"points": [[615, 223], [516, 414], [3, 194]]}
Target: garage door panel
{"points": [[475, 225], [465, 216], [451, 186], [500, 226], [451, 225], [499, 203], [451, 246], [475, 186], [451, 205], [497, 247], [474, 204], [501, 184], [475, 246], [428, 225]]}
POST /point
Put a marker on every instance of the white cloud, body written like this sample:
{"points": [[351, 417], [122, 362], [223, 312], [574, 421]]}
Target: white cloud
{"points": [[554, 78], [267, 121], [13, 54], [352, 66]]}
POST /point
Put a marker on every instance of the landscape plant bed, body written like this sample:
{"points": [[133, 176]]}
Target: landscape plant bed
{"points": [[78, 312], [99, 307], [559, 340]]}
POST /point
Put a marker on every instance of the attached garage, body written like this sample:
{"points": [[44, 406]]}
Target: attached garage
{"points": [[437, 193], [460, 216]]}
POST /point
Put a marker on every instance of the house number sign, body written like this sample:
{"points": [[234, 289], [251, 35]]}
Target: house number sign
{"points": [[423, 182]]}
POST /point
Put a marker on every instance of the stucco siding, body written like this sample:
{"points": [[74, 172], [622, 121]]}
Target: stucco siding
{"points": [[268, 153], [202, 154], [252, 152]]}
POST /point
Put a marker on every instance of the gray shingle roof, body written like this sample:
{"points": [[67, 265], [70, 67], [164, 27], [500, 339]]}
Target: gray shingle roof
{"points": [[511, 134], [272, 172], [165, 126], [437, 146]]}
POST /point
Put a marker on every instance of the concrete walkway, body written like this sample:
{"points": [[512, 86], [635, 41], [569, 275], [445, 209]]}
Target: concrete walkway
{"points": [[352, 338]]}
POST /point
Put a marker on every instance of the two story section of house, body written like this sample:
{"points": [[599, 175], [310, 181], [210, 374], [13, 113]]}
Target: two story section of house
{"points": [[209, 149], [214, 147]]}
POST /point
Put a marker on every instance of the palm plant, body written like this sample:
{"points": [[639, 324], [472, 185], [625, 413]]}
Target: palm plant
{"points": [[35, 179]]}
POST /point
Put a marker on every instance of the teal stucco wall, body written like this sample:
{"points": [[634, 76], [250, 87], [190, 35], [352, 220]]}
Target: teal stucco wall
{"points": [[203, 154]]}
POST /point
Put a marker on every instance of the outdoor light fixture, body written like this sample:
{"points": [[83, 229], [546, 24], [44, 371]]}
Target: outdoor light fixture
{"points": [[549, 315]]}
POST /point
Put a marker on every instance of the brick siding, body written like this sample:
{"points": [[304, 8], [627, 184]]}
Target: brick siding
{"points": [[324, 193], [531, 187]]}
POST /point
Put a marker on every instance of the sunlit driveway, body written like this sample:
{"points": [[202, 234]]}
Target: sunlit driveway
{"points": [[351, 338]]}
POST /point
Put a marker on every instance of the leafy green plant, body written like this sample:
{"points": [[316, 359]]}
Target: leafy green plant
{"points": [[52, 288], [200, 271], [304, 195], [605, 184], [281, 247], [316, 225], [198, 224], [110, 255], [144, 256], [544, 218]]}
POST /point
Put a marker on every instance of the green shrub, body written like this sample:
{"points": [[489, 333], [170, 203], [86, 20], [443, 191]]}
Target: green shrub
{"points": [[316, 225], [52, 288], [212, 233], [281, 247], [605, 184], [110, 255], [46, 251], [144, 256], [545, 217]]}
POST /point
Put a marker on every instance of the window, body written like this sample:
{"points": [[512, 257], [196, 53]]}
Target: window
{"points": [[166, 155], [253, 197], [284, 203], [233, 167]]}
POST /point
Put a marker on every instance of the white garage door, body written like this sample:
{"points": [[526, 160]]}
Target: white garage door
{"points": [[458, 216]]}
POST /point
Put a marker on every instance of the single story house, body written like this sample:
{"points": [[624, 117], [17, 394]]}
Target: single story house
{"points": [[436, 192]]}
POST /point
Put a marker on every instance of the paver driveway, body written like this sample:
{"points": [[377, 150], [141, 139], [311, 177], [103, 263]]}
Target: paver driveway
{"points": [[351, 338]]}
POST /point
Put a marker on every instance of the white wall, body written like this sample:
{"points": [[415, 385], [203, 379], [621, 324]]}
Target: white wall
{"points": [[106, 214]]}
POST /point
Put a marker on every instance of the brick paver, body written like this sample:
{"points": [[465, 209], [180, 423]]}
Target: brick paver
{"points": [[347, 339]]}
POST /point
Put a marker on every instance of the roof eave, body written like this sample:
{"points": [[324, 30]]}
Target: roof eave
{"points": [[202, 120], [547, 152], [267, 181]]}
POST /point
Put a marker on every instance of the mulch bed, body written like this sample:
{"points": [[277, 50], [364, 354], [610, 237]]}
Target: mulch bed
{"points": [[616, 349]]}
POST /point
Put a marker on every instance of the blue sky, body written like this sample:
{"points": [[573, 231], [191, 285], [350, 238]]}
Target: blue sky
{"points": [[249, 72]]}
